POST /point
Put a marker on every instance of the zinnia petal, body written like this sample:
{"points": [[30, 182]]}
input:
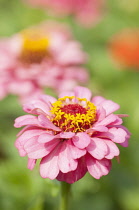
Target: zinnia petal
{"points": [[46, 123], [49, 164], [98, 168], [48, 99], [74, 176], [81, 140], [45, 137], [97, 148], [26, 120], [66, 93], [118, 134], [82, 92], [112, 149], [75, 151], [110, 106], [36, 107], [65, 161], [36, 150], [31, 163]]}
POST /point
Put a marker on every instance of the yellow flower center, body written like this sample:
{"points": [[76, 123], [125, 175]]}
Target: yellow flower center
{"points": [[35, 45], [73, 114]]}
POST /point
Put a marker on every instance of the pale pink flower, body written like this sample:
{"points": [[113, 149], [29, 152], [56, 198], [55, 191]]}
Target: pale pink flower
{"points": [[41, 56], [71, 135], [86, 12]]}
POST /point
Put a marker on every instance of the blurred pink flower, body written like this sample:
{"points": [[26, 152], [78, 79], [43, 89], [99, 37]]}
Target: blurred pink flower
{"points": [[86, 12], [71, 135], [41, 56]]}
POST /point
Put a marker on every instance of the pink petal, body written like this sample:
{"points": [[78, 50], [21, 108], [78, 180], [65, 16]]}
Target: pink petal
{"points": [[74, 151], [122, 115], [24, 129], [103, 135], [118, 121], [101, 113], [20, 148], [97, 148], [65, 161], [118, 135], [112, 149], [65, 135], [97, 100], [107, 120], [29, 134], [36, 150], [81, 140], [73, 176], [46, 123], [82, 92], [48, 99], [98, 168], [45, 137], [49, 164], [66, 93], [37, 107], [31, 163], [125, 143], [99, 128], [110, 106], [26, 120]]}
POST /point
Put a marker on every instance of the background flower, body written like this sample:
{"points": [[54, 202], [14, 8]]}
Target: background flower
{"points": [[124, 48], [41, 56], [86, 12]]}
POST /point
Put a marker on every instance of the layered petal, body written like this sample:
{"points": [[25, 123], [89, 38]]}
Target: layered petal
{"points": [[97, 168], [82, 92], [118, 135], [46, 123], [35, 150], [66, 93], [75, 152], [26, 120], [48, 99], [110, 106], [37, 107], [81, 140], [31, 163], [74, 176], [49, 164], [66, 162], [97, 148], [112, 150], [45, 137]]}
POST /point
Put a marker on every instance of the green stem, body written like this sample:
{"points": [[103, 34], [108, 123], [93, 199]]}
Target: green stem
{"points": [[65, 194]]}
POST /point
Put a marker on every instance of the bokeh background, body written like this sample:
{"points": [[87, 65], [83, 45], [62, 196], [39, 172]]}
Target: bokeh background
{"points": [[22, 189]]}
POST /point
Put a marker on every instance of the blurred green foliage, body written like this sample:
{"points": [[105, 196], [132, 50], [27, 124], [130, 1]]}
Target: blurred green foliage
{"points": [[22, 189]]}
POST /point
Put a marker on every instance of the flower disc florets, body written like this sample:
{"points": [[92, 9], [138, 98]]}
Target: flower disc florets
{"points": [[34, 47], [73, 114]]}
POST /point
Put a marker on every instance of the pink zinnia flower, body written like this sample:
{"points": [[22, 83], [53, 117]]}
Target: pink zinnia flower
{"points": [[71, 135], [41, 56], [86, 12]]}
